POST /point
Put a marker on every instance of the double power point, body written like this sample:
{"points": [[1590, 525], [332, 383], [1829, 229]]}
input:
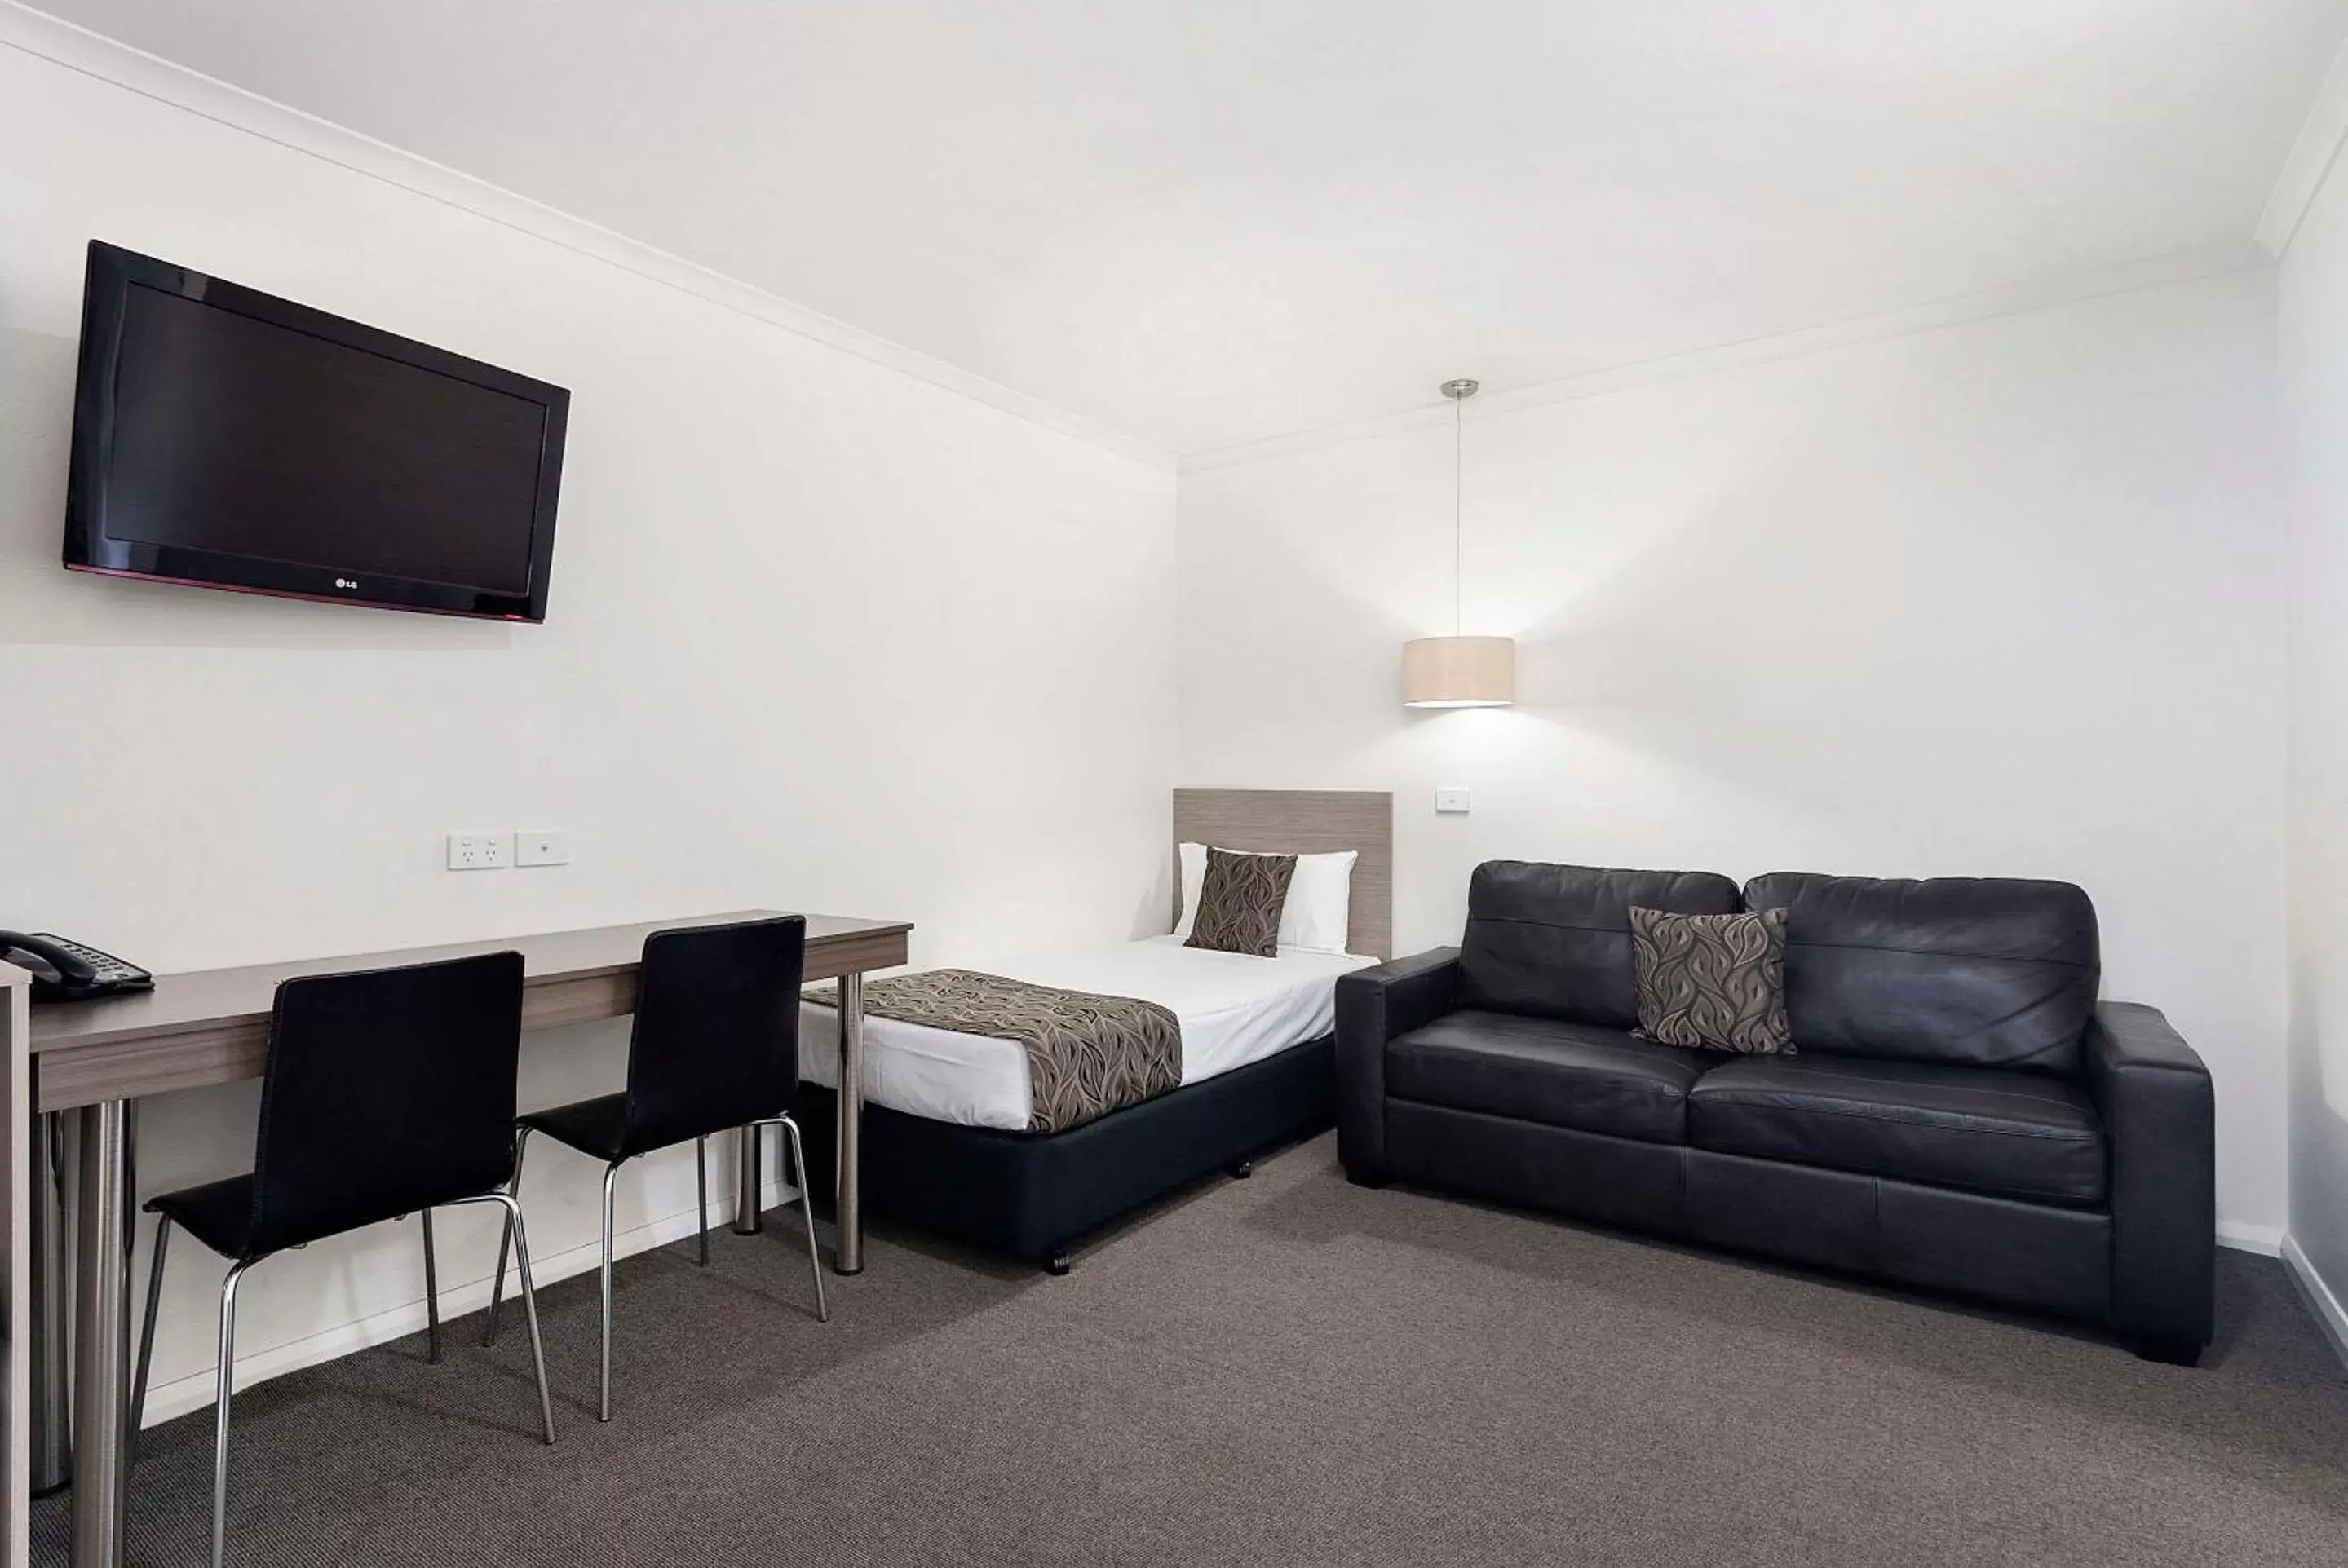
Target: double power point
{"points": [[494, 850]]}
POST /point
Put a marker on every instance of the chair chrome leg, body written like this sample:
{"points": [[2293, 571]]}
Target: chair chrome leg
{"points": [[806, 1212], [701, 1192], [431, 1295], [147, 1334], [498, 1283], [521, 1239], [603, 1381], [220, 1412]]}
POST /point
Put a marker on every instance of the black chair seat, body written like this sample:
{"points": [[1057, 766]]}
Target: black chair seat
{"points": [[598, 1127], [1582, 1076], [217, 1214], [1984, 1130], [220, 1215]]}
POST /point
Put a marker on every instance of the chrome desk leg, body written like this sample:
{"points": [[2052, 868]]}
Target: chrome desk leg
{"points": [[52, 1327], [102, 1333], [748, 1181], [701, 1197], [432, 1294], [848, 1219]]}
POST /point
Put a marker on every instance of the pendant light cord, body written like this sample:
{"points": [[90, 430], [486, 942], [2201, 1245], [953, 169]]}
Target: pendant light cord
{"points": [[1460, 392]]}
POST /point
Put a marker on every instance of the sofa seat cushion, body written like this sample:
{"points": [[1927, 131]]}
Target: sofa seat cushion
{"points": [[1582, 1076], [2015, 1135]]}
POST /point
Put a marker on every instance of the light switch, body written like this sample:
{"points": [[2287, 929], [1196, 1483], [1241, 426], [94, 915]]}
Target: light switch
{"points": [[1452, 800], [542, 846], [480, 851]]}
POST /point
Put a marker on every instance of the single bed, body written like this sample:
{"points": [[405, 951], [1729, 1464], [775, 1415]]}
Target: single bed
{"points": [[947, 1144]]}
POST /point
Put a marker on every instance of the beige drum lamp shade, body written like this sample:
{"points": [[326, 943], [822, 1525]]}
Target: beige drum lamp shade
{"points": [[1459, 673]]}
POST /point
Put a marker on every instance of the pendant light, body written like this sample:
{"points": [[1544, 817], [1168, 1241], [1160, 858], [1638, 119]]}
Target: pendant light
{"points": [[1458, 670]]}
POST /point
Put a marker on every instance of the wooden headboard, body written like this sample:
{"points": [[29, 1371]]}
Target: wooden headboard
{"points": [[1305, 821]]}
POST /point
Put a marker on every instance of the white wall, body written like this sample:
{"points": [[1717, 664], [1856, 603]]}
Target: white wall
{"points": [[822, 636], [2314, 336], [2002, 599]]}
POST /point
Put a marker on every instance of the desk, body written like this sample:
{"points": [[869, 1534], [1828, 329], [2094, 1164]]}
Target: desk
{"points": [[95, 1058]]}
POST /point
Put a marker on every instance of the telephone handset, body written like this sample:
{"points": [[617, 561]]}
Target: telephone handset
{"points": [[66, 971]]}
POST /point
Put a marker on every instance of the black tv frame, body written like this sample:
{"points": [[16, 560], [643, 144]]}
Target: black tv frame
{"points": [[113, 271]]}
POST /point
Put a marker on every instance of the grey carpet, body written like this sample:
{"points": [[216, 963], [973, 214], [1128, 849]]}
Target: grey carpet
{"points": [[1287, 1369]]}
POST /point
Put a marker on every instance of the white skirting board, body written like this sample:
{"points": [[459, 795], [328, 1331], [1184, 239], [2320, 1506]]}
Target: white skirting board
{"points": [[2268, 1241], [2319, 1295], [182, 1395], [2264, 1240]]}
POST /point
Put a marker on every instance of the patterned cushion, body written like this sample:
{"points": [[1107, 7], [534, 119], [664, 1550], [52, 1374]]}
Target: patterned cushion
{"points": [[1240, 902], [1713, 980]]}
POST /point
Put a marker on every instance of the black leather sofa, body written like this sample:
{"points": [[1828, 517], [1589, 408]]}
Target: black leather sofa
{"points": [[1960, 1113]]}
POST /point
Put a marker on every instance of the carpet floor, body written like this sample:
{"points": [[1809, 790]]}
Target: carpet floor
{"points": [[1283, 1370]]}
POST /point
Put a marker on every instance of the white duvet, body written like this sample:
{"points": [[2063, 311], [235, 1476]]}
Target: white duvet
{"points": [[1234, 1008]]}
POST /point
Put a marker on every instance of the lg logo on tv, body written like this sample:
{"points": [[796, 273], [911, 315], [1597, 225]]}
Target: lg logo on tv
{"points": [[346, 582]]}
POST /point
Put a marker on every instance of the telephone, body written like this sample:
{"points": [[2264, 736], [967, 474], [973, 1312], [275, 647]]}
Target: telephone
{"points": [[66, 971]]}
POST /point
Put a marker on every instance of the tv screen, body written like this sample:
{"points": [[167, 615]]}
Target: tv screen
{"points": [[226, 437]]}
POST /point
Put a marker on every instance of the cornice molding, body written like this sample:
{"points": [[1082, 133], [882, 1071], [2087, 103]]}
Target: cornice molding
{"points": [[61, 42], [2131, 277], [2308, 162], [76, 48]]}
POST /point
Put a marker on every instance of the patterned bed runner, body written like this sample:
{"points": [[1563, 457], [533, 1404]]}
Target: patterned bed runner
{"points": [[1086, 1055]]}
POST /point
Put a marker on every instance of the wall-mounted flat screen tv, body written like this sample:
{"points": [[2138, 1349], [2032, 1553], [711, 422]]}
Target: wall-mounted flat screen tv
{"points": [[229, 438]]}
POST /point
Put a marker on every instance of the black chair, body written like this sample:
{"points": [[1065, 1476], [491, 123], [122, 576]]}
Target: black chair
{"points": [[386, 1092], [716, 1046]]}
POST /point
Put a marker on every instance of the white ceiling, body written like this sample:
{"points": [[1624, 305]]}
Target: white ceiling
{"points": [[1201, 222]]}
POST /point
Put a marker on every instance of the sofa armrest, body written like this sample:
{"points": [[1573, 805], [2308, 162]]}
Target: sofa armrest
{"points": [[1374, 1006], [2161, 1124]]}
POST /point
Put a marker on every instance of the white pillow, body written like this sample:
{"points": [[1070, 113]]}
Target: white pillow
{"points": [[1312, 920]]}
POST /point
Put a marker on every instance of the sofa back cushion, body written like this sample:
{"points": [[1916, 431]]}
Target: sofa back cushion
{"points": [[1956, 969], [1554, 941]]}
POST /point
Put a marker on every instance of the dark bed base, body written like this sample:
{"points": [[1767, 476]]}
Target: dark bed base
{"points": [[1032, 1195]]}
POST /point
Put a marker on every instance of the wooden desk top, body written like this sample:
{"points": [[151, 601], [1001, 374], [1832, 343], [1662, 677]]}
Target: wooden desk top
{"points": [[212, 1026]]}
